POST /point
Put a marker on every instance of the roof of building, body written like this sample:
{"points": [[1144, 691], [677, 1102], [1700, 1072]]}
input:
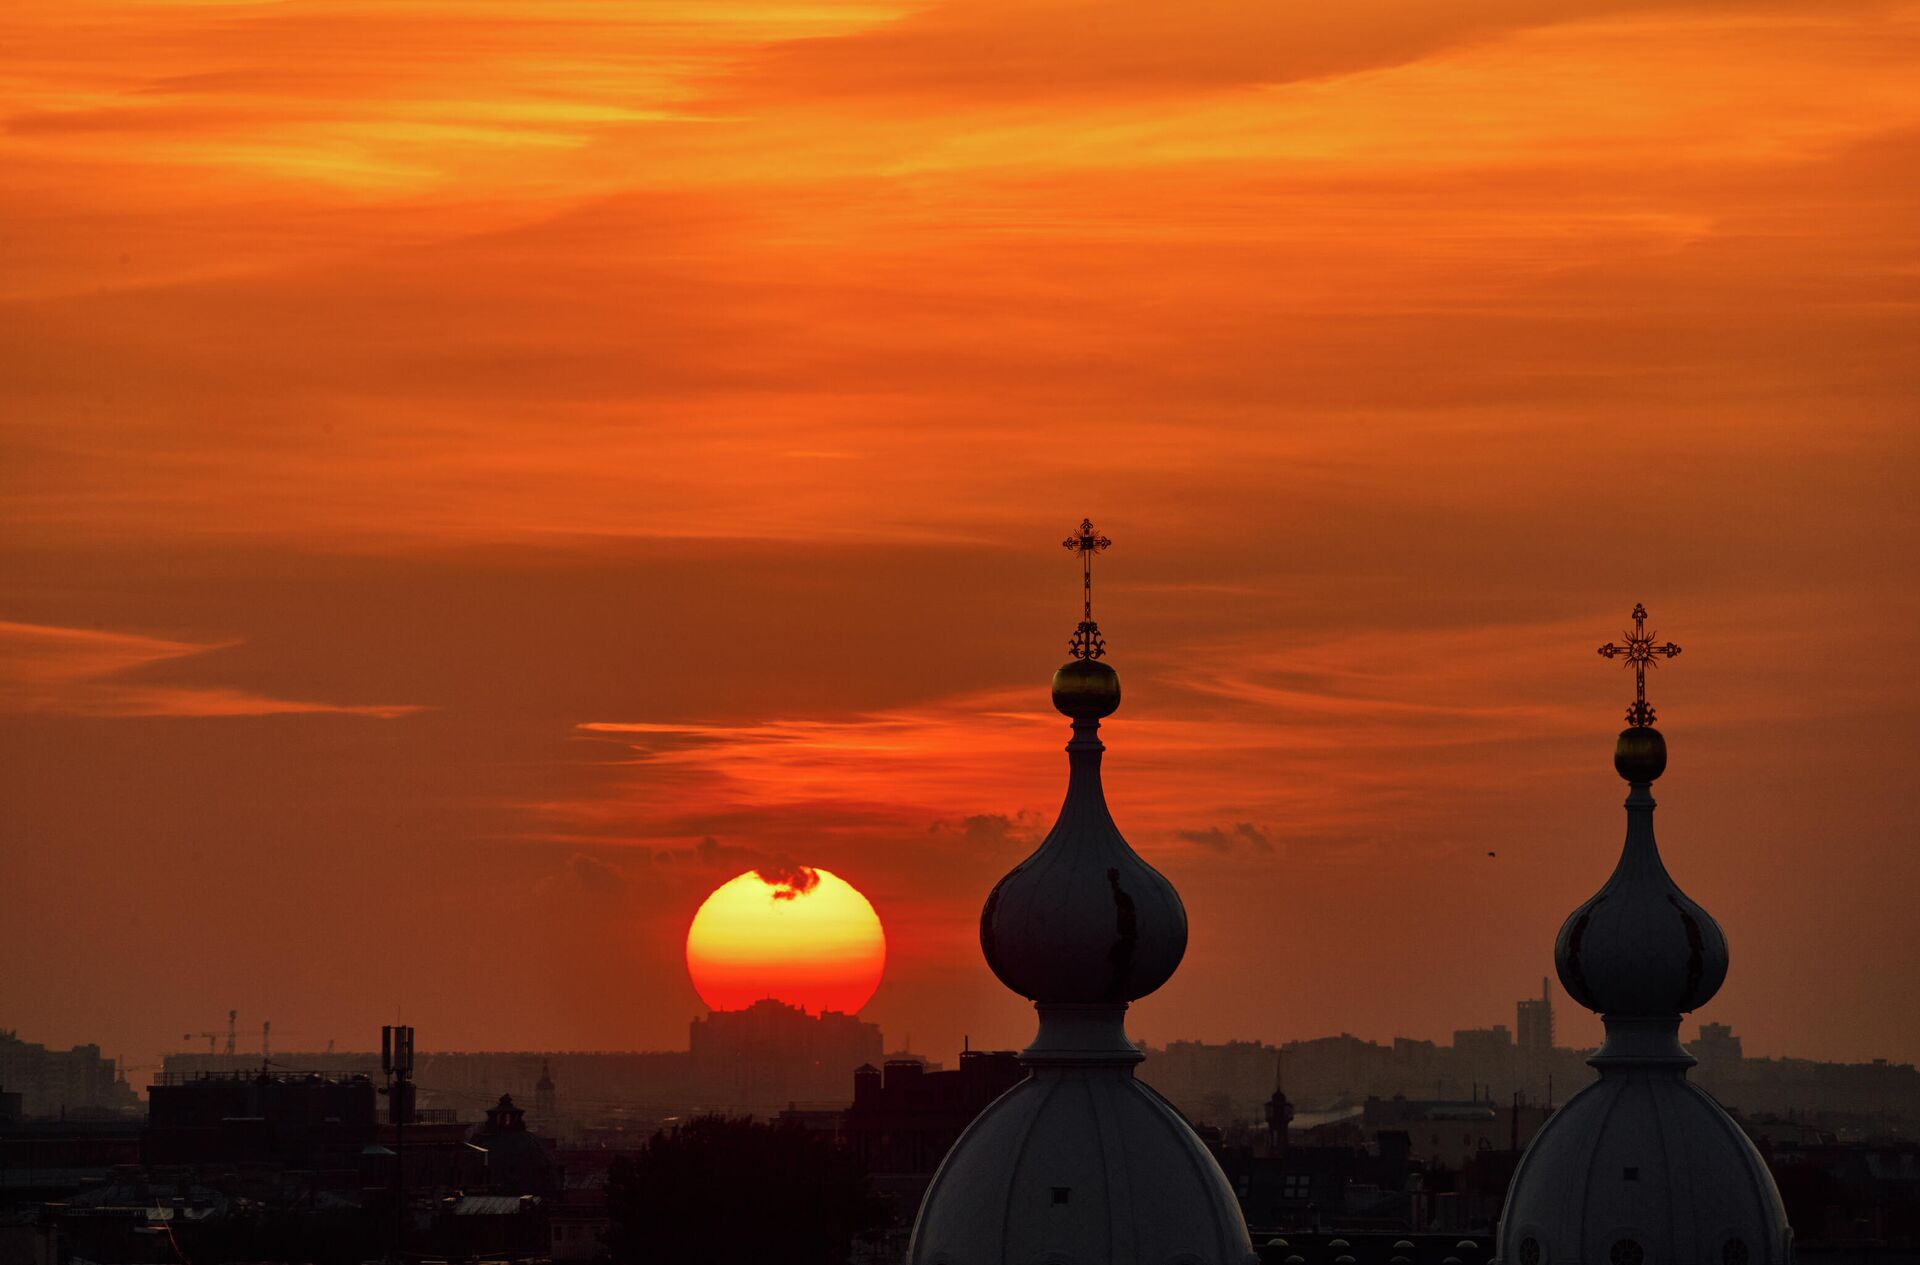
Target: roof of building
{"points": [[494, 1205]]}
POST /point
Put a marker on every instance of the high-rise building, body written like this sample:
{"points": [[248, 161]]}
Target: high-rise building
{"points": [[1491, 1042], [73, 1083], [1533, 1022], [1717, 1044], [772, 1054], [1081, 1161]]}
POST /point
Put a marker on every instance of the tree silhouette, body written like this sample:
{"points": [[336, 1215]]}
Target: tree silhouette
{"points": [[729, 1191]]}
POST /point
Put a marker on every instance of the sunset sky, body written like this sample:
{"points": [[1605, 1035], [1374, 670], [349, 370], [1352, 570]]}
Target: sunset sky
{"points": [[478, 475]]}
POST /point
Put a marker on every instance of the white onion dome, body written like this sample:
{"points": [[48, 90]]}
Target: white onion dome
{"points": [[1084, 919], [1640, 945]]}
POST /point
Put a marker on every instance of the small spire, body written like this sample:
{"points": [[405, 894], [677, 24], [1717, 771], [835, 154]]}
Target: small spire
{"points": [[1640, 652], [1086, 642]]}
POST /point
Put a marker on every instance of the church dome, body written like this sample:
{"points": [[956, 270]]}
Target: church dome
{"points": [[1083, 919], [1643, 1170], [1093, 1167], [518, 1161], [1081, 1162], [1640, 945], [1642, 1167]]}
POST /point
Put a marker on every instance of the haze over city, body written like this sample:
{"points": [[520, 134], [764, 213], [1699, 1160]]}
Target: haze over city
{"points": [[478, 478]]}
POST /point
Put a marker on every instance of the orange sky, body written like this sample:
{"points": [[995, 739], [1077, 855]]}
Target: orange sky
{"points": [[478, 475]]}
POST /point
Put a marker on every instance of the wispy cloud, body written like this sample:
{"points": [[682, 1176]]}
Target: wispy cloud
{"points": [[91, 672]]}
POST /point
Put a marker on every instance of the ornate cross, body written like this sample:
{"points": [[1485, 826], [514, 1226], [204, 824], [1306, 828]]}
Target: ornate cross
{"points": [[1086, 642], [1640, 651]]}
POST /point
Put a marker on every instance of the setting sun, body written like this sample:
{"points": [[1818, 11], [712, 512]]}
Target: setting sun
{"points": [[802, 936]]}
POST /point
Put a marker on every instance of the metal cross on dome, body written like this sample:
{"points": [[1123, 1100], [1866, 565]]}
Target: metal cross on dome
{"points": [[1086, 642], [1640, 652]]}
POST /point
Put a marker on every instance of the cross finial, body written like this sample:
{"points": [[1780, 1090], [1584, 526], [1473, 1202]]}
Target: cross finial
{"points": [[1086, 642], [1640, 652]]}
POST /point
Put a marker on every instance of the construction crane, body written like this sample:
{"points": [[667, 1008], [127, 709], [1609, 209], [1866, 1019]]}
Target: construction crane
{"points": [[212, 1037]]}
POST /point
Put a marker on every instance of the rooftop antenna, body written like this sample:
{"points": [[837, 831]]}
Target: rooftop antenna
{"points": [[396, 1060]]}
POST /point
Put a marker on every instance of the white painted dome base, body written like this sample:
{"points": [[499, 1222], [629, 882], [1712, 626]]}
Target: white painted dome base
{"points": [[1643, 1167], [1080, 1165]]}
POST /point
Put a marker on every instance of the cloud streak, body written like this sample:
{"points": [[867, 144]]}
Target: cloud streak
{"points": [[90, 672]]}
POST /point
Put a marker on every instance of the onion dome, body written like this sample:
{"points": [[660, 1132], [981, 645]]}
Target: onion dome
{"points": [[1642, 1167], [1081, 1162], [1084, 919], [1640, 945]]}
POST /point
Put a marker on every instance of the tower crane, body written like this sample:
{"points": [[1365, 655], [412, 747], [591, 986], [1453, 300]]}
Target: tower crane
{"points": [[212, 1037]]}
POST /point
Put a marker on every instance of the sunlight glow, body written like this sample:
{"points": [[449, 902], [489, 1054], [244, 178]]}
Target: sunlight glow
{"points": [[802, 936]]}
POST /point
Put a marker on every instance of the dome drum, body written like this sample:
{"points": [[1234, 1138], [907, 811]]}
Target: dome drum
{"points": [[1080, 1034], [1643, 1042]]}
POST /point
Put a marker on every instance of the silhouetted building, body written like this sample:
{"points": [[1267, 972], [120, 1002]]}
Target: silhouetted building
{"points": [[771, 1054], [1859, 1195], [518, 1161], [904, 1119], [292, 1120], [1214, 1082], [1533, 1022], [1308, 1186], [546, 1097], [1279, 1119], [469, 1081], [1484, 1043], [1716, 1044], [489, 1227], [51, 1083], [1439, 1131]]}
